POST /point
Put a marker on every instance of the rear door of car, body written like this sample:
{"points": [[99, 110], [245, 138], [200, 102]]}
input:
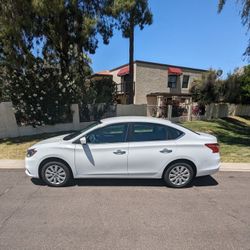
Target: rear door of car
{"points": [[151, 147]]}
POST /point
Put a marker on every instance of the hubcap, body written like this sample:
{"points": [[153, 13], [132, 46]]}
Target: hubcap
{"points": [[179, 175], [55, 174]]}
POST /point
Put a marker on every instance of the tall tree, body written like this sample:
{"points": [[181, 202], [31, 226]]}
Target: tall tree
{"points": [[245, 17], [129, 14], [44, 46]]}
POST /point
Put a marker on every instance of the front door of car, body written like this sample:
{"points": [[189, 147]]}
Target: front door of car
{"points": [[151, 147], [105, 153]]}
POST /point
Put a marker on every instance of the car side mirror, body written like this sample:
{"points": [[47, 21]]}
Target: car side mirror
{"points": [[83, 140]]}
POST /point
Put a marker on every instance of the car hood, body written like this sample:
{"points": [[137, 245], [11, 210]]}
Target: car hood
{"points": [[52, 139]]}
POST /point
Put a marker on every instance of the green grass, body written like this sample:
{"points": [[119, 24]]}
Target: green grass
{"points": [[15, 148], [233, 134]]}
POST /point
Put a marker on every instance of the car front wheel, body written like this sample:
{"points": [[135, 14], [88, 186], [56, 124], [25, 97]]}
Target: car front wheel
{"points": [[55, 174], [178, 175]]}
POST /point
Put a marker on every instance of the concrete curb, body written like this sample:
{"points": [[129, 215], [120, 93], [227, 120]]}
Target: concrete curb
{"points": [[12, 164], [239, 167]]}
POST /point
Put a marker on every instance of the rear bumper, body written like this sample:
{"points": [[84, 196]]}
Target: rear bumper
{"points": [[209, 169]]}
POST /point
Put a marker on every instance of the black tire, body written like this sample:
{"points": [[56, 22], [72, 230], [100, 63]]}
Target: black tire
{"points": [[58, 178], [181, 178]]}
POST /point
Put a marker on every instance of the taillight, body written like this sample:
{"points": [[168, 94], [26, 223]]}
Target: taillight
{"points": [[213, 146]]}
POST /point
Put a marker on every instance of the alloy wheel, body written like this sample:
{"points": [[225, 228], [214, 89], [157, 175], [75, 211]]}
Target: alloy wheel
{"points": [[179, 175], [55, 174]]}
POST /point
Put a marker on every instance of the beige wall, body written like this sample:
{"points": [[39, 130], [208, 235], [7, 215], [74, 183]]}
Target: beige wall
{"points": [[117, 79], [218, 110], [9, 127], [131, 110], [152, 78]]}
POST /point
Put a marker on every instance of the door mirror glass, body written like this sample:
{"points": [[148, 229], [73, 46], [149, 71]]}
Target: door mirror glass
{"points": [[83, 140]]}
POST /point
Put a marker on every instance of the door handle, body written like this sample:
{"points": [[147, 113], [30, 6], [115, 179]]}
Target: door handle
{"points": [[119, 152], [166, 151]]}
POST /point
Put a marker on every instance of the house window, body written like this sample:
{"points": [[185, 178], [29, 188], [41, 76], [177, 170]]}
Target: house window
{"points": [[172, 81], [185, 81], [124, 83]]}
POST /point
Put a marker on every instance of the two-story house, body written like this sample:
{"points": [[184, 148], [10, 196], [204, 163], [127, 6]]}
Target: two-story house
{"points": [[155, 82]]}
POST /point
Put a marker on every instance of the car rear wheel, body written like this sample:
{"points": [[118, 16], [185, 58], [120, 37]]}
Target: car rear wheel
{"points": [[55, 174], [178, 175]]}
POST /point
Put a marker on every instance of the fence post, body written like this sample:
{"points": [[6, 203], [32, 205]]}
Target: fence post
{"points": [[76, 118], [159, 106], [169, 112], [8, 124], [190, 112]]}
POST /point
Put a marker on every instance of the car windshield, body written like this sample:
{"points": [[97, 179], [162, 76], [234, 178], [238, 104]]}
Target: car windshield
{"points": [[75, 134]]}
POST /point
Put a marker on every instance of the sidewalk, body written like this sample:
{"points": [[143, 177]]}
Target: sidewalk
{"points": [[240, 167]]}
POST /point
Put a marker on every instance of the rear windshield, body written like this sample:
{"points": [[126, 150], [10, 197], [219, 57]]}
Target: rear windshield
{"points": [[75, 134]]}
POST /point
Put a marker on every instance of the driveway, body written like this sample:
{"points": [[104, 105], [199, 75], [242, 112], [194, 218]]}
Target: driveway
{"points": [[213, 213]]}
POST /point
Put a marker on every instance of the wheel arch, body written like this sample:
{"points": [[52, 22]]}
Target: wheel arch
{"points": [[46, 160], [181, 160]]}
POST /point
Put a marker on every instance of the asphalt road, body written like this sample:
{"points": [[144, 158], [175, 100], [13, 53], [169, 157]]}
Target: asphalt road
{"points": [[213, 213]]}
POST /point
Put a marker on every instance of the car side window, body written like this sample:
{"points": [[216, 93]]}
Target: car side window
{"points": [[152, 132], [110, 134], [173, 133]]}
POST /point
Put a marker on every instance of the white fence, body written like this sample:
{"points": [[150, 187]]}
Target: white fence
{"points": [[9, 127]]}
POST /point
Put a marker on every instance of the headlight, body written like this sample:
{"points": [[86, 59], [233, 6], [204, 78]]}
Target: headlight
{"points": [[30, 152]]}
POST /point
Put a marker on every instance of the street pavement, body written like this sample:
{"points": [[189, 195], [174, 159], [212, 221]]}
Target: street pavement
{"points": [[213, 213]]}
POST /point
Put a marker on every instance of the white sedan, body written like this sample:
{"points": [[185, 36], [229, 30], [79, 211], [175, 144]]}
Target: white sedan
{"points": [[125, 147]]}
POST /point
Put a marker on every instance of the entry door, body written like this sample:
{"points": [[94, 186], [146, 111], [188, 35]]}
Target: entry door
{"points": [[106, 152], [149, 148]]}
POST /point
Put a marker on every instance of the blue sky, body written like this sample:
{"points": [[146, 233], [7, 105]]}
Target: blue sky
{"points": [[187, 33]]}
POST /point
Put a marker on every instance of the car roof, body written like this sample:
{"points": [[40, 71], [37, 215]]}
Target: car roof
{"points": [[119, 119]]}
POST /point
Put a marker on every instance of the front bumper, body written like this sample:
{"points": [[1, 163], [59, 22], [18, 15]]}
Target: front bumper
{"points": [[31, 167]]}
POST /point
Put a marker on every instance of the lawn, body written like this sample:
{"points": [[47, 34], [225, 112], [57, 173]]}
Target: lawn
{"points": [[233, 134], [15, 148]]}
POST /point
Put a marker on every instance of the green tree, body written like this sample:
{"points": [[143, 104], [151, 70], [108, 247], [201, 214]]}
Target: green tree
{"points": [[245, 85], [207, 89], [245, 16], [44, 46], [236, 88], [128, 15]]}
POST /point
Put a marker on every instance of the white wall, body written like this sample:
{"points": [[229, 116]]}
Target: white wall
{"points": [[219, 110], [9, 127]]}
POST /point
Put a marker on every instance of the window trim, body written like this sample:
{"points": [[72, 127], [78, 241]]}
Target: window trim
{"points": [[129, 134]]}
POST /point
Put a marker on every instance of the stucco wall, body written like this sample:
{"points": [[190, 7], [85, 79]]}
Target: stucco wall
{"points": [[215, 110], [131, 109], [9, 127], [117, 79], [152, 78]]}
